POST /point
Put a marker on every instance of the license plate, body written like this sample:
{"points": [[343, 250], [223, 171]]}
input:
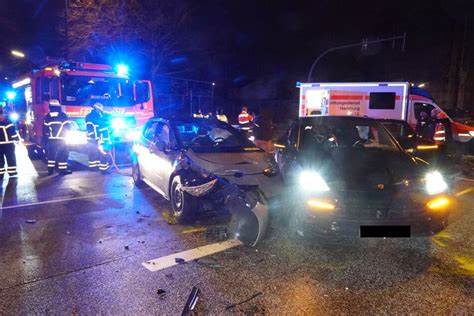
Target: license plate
{"points": [[389, 231]]}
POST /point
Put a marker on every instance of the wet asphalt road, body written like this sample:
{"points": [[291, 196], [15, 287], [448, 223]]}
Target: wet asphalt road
{"points": [[90, 234]]}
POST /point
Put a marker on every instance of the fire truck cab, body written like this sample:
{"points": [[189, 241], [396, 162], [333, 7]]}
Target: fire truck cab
{"points": [[78, 86], [381, 100]]}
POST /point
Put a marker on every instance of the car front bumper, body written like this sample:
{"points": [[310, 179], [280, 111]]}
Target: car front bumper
{"points": [[414, 219]]}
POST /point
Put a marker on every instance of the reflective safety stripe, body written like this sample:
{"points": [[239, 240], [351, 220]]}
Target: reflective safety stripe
{"points": [[104, 166], [11, 168], [62, 167], [2, 170], [62, 163], [51, 161], [94, 163]]}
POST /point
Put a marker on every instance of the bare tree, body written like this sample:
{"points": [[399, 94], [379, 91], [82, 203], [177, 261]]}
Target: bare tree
{"points": [[149, 28]]}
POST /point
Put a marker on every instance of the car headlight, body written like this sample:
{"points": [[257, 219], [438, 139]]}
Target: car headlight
{"points": [[435, 183], [14, 116], [312, 181], [118, 123]]}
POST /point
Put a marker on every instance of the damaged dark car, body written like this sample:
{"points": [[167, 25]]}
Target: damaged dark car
{"points": [[207, 166], [348, 176]]}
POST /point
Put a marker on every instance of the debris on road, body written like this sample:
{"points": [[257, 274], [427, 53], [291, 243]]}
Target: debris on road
{"points": [[127, 248], [209, 262], [191, 302], [179, 260], [161, 293], [194, 230], [30, 221], [244, 301], [169, 276], [169, 219], [217, 233]]}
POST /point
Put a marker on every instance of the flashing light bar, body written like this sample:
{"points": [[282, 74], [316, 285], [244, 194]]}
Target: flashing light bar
{"points": [[21, 83]]}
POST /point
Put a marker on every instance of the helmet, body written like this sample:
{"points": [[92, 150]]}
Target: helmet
{"points": [[98, 106], [54, 102]]}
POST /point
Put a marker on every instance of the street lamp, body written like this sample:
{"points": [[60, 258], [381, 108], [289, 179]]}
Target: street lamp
{"points": [[17, 53]]}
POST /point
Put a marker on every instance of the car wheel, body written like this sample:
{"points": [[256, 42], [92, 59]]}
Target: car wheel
{"points": [[183, 204], [137, 176]]}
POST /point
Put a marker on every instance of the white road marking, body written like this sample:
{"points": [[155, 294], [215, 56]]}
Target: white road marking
{"points": [[189, 255], [52, 201]]}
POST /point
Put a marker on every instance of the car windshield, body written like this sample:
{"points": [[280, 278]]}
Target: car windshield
{"points": [[204, 135], [343, 132], [87, 90]]}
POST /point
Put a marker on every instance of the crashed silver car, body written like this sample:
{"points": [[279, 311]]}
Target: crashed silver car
{"points": [[204, 166]]}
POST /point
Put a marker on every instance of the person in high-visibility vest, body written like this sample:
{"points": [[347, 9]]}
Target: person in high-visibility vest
{"points": [[8, 137], [245, 119], [55, 127], [220, 115], [198, 114], [99, 138], [439, 137]]}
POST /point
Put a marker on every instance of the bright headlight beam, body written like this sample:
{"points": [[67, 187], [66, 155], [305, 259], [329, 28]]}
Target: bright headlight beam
{"points": [[118, 123], [435, 183], [312, 181], [14, 116]]}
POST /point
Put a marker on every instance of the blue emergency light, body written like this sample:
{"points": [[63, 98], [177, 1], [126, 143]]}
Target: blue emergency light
{"points": [[11, 95], [122, 70]]}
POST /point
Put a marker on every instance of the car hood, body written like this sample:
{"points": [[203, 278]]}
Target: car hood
{"points": [[226, 164], [362, 170]]}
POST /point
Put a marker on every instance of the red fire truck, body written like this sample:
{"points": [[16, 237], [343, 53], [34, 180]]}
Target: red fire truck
{"points": [[78, 86]]}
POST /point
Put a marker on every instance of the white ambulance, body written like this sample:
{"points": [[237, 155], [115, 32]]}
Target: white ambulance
{"points": [[383, 100]]}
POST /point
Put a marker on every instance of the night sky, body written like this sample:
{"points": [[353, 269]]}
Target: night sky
{"points": [[269, 45]]}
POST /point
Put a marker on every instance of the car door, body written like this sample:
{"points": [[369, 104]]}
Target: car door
{"points": [[164, 154], [287, 154], [143, 147]]}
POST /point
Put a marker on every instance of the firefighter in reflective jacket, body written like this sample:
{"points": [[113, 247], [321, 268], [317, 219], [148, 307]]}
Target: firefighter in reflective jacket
{"points": [[99, 138], [55, 128], [8, 138], [245, 119]]}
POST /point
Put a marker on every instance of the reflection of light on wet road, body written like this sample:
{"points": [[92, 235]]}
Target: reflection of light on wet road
{"points": [[24, 188], [468, 190], [461, 265]]}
